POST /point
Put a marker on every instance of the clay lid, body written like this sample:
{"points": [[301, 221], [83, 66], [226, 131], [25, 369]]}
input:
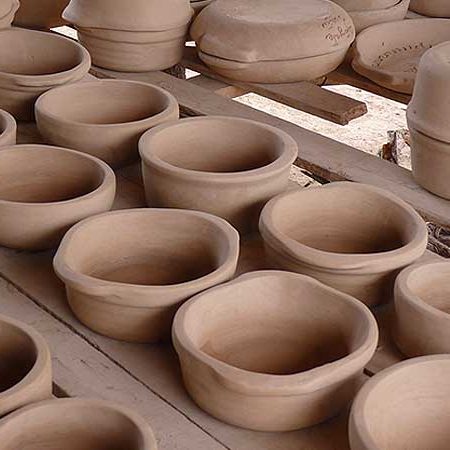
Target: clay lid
{"points": [[263, 30], [365, 5]]}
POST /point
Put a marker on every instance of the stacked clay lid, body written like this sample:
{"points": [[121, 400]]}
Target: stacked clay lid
{"points": [[273, 42], [7, 10], [431, 8]]}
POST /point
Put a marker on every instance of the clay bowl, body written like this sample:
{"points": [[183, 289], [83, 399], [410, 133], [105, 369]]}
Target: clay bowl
{"points": [[273, 351], [32, 62], [353, 237], [45, 190], [8, 129], [7, 10], [389, 53], [140, 265], [432, 8], [404, 407], [225, 166], [365, 5], [103, 118], [41, 14], [75, 424], [25, 369]]}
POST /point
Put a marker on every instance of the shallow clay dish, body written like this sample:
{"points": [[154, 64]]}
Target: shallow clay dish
{"points": [[103, 118], [44, 190], [226, 166], [43, 14], [389, 53], [32, 62], [405, 407], [75, 424], [273, 351], [25, 369], [8, 129], [7, 10], [353, 237], [432, 8], [127, 272]]}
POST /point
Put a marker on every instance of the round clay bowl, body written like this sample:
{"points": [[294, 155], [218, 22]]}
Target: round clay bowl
{"points": [[75, 424], [8, 129], [350, 236], [432, 8], [103, 118], [273, 351], [389, 53], [140, 265], [32, 62], [25, 369], [404, 407], [225, 166], [42, 14], [45, 190], [7, 10]]}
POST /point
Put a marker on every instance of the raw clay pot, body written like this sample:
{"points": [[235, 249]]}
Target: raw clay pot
{"points": [[432, 8], [127, 272], [350, 236], [32, 62], [404, 407], [8, 9], [8, 129], [273, 351], [45, 190], [25, 369], [103, 118], [43, 14], [225, 166], [75, 424]]}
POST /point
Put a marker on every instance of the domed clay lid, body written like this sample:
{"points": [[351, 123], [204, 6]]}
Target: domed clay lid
{"points": [[267, 30], [365, 5]]}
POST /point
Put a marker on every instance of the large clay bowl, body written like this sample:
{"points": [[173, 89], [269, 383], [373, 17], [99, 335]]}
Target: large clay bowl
{"points": [[8, 129], [225, 166], [43, 14], [32, 62], [273, 351], [405, 407], [350, 236], [75, 424], [25, 369], [103, 118], [45, 190], [432, 8], [7, 10], [127, 272]]}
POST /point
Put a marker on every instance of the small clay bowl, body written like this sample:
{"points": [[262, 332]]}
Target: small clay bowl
{"points": [[127, 272], [273, 351], [25, 368], [350, 236], [40, 14], [103, 118], [32, 62], [8, 129], [431, 8], [226, 166], [7, 10], [74, 424], [404, 407], [45, 190]]}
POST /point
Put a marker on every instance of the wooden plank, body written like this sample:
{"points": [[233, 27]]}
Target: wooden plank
{"points": [[218, 87]]}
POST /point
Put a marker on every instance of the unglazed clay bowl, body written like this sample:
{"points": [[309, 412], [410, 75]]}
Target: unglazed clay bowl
{"points": [[7, 10], [350, 236], [273, 351], [75, 424], [8, 129], [226, 166], [32, 62], [127, 272], [42, 14], [432, 8], [45, 190], [25, 369], [405, 407], [103, 118]]}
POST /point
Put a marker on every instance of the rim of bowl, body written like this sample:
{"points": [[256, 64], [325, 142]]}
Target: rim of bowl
{"points": [[11, 124]]}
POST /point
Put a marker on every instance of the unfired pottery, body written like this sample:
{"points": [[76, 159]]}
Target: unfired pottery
{"points": [[103, 118], [75, 424], [127, 272], [350, 236], [8, 9], [199, 5], [25, 366], [432, 8], [8, 129], [273, 42], [43, 14], [273, 351], [44, 190], [389, 53], [226, 166], [405, 407], [365, 5], [32, 62]]}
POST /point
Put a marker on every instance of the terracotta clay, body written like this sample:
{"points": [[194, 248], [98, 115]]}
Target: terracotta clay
{"points": [[75, 424], [237, 39], [44, 190], [389, 53], [226, 166], [432, 8], [8, 129], [25, 368], [273, 351], [404, 407], [42, 14], [127, 272], [32, 62], [8, 9], [103, 118], [350, 236]]}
